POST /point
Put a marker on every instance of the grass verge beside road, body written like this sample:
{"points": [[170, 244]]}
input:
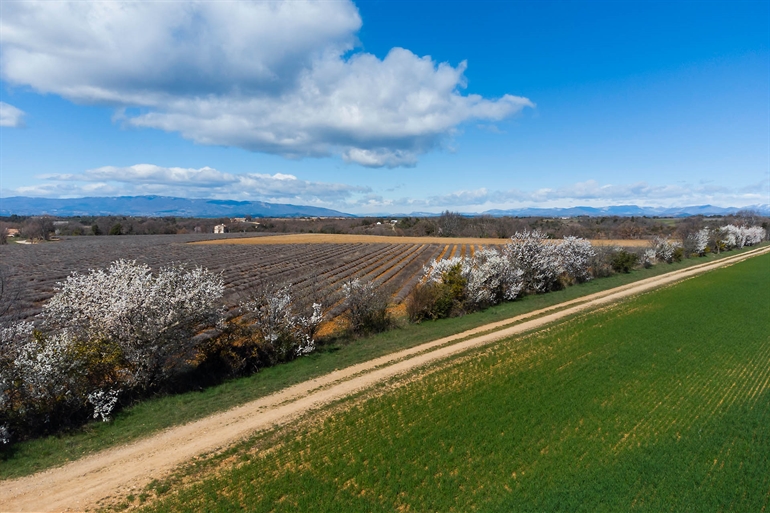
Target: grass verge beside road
{"points": [[156, 414]]}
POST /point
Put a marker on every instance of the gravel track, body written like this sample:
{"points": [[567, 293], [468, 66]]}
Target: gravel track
{"points": [[81, 484]]}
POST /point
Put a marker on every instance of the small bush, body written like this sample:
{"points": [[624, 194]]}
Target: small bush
{"points": [[366, 307], [623, 261], [438, 299], [600, 265]]}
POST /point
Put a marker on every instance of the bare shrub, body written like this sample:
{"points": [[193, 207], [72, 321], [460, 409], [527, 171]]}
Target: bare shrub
{"points": [[366, 306]]}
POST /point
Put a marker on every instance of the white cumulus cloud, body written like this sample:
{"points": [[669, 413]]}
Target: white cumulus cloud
{"points": [[268, 76], [10, 116], [589, 193], [205, 182]]}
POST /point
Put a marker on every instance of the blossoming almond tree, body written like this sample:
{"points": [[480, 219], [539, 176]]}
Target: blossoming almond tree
{"points": [[529, 262], [575, 254], [732, 236], [102, 333], [490, 279], [699, 241], [665, 249], [151, 318], [538, 260], [275, 322], [366, 306]]}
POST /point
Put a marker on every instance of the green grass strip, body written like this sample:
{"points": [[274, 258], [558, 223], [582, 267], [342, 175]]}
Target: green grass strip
{"points": [[659, 403], [159, 413]]}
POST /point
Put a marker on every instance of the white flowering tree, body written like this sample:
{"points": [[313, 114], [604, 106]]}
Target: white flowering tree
{"points": [[436, 271], [151, 319], [32, 374], [699, 241], [103, 333], [665, 249], [42, 380], [530, 262], [648, 257], [274, 319], [537, 258], [755, 235], [490, 279], [575, 254], [732, 236]]}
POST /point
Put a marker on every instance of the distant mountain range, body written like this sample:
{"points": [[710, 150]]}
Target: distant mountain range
{"points": [[629, 210], [619, 210], [159, 206]]}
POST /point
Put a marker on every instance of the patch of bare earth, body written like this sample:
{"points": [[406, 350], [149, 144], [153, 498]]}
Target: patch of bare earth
{"points": [[120, 471]]}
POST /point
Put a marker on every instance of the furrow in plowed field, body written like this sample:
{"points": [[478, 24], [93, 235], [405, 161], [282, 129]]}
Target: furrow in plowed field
{"points": [[83, 483], [36, 269], [412, 274]]}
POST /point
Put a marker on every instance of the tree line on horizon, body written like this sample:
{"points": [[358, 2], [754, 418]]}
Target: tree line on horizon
{"points": [[448, 224]]}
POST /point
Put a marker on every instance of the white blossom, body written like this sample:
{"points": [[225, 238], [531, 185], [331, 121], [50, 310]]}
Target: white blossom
{"points": [[732, 236], [275, 321], [754, 235], [699, 240], [152, 318], [530, 262], [366, 306], [575, 254], [665, 248], [490, 278], [538, 260], [648, 257], [738, 236], [435, 271], [103, 402]]}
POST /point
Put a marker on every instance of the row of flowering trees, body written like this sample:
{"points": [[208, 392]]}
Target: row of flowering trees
{"points": [[705, 240], [530, 263], [732, 236]]}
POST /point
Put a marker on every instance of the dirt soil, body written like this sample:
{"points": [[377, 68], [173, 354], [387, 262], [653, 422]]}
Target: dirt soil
{"points": [[120, 471], [324, 238]]}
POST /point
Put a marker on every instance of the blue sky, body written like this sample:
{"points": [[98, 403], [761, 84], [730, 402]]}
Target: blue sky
{"points": [[388, 106]]}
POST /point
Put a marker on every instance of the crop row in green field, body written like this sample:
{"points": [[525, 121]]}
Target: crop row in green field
{"points": [[660, 403]]}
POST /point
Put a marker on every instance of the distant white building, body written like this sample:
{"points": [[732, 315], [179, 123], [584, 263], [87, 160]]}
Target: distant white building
{"points": [[220, 228]]}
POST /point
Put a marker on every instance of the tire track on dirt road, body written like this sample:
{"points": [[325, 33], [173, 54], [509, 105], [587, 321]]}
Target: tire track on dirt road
{"points": [[81, 484]]}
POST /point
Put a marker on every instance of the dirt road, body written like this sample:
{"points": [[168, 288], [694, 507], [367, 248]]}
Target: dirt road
{"points": [[80, 484]]}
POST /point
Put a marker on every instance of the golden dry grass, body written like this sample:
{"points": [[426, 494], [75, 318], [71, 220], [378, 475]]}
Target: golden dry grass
{"points": [[328, 238]]}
